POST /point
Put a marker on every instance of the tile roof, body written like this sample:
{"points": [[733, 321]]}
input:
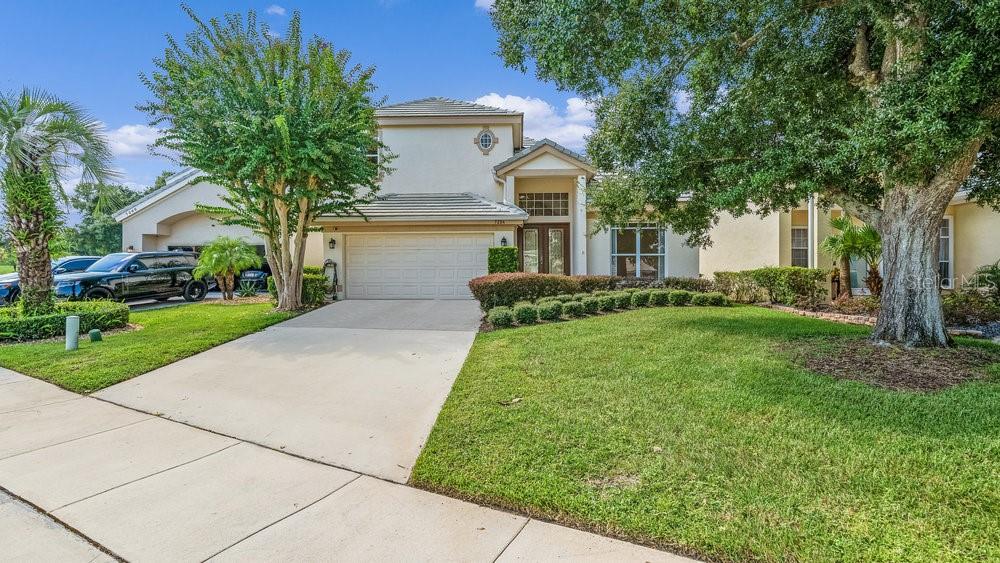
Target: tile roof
{"points": [[537, 145], [436, 107], [439, 207]]}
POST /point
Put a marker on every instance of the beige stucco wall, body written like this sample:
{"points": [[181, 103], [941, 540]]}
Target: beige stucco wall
{"points": [[598, 250], [444, 158], [977, 237], [740, 243]]}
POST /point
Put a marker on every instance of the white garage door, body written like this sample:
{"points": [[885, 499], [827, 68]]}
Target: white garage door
{"points": [[414, 266]]}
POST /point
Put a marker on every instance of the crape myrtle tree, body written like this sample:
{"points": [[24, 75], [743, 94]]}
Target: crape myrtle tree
{"points": [[885, 108], [287, 126]]}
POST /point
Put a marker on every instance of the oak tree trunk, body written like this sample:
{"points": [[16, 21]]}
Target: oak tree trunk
{"points": [[911, 299]]}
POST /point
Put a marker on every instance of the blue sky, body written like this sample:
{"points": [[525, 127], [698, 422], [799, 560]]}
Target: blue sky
{"points": [[92, 53]]}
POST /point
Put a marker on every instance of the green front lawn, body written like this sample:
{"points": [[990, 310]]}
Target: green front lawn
{"points": [[691, 429], [167, 335], [6, 269]]}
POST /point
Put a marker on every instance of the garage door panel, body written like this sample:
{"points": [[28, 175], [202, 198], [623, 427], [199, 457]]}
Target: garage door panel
{"points": [[407, 266]]}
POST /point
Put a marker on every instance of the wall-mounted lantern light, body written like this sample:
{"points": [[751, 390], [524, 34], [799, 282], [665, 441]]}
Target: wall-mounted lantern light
{"points": [[333, 243], [503, 241]]}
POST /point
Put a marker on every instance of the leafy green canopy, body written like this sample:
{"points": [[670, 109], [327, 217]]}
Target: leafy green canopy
{"points": [[751, 105]]}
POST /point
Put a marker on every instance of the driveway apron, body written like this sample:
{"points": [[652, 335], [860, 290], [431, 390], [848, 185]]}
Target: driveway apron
{"points": [[356, 384]]}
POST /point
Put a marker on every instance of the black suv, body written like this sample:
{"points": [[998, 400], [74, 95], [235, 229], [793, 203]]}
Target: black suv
{"points": [[125, 276]]}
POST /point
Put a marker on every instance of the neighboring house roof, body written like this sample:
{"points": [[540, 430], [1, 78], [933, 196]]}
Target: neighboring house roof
{"points": [[535, 147], [463, 206], [439, 107], [174, 183]]}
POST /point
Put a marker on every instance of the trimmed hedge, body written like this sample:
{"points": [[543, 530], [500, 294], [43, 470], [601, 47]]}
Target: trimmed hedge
{"points": [[509, 288], [525, 314], [314, 287], [574, 309], [590, 284], [680, 297], [501, 259], [550, 310], [501, 317], [315, 270], [623, 300], [591, 305], [640, 299], [659, 297], [607, 302], [102, 315], [688, 284]]}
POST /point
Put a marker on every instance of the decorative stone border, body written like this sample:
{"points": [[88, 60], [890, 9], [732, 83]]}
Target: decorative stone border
{"points": [[857, 319]]}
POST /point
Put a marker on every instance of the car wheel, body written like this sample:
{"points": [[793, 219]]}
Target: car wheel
{"points": [[97, 293], [195, 291]]}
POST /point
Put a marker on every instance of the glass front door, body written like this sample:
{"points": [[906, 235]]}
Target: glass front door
{"points": [[544, 249]]}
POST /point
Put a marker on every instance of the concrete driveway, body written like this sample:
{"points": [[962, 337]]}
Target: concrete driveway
{"points": [[356, 384]]}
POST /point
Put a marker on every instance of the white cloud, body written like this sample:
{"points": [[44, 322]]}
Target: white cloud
{"points": [[132, 140], [541, 119], [275, 10], [486, 5]]}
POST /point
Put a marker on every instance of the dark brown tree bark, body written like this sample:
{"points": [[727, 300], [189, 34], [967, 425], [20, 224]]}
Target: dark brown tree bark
{"points": [[844, 267]]}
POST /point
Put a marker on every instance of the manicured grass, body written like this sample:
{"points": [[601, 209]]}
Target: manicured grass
{"points": [[691, 429], [6, 269], [167, 336]]}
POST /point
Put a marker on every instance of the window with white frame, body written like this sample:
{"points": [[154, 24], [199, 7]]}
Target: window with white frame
{"points": [[544, 204], [638, 250], [800, 246], [946, 250]]}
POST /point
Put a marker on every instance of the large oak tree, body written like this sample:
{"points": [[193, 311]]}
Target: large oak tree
{"points": [[885, 108], [286, 126]]}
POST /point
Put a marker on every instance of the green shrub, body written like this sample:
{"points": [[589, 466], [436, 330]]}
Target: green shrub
{"points": [[509, 288], [680, 297], [623, 300], [574, 309], [580, 296], [314, 288], [699, 299], [969, 308], [716, 299], [640, 298], [500, 317], [564, 297], [526, 314], [659, 297], [689, 284], [501, 259], [790, 285], [986, 281], [601, 292], [591, 305], [867, 305], [590, 284], [739, 286], [550, 310], [607, 302], [102, 315], [315, 270]]}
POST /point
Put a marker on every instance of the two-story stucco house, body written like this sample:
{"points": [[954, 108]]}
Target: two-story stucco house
{"points": [[464, 178], [792, 238]]}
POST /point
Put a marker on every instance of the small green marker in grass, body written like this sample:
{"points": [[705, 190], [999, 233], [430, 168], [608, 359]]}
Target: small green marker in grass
{"points": [[95, 335]]}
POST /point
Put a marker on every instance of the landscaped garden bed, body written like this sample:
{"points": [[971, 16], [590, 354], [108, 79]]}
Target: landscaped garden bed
{"points": [[167, 335], [706, 431]]}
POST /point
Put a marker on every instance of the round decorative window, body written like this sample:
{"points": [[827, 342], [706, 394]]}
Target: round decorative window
{"points": [[485, 140]]}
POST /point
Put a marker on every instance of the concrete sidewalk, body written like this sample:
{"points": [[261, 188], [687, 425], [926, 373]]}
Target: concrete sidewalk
{"points": [[149, 489]]}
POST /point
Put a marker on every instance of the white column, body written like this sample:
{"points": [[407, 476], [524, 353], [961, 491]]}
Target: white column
{"points": [[580, 228], [508, 189], [813, 231]]}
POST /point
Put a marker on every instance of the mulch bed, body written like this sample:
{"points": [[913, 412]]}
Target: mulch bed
{"points": [[894, 367]]}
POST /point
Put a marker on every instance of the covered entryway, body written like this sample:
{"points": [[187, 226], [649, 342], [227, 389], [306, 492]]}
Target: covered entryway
{"points": [[414, 265]]}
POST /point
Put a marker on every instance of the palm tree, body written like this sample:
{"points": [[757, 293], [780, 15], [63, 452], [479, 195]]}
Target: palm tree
{"points": [[41, 138], [222, 259], [855, 242]]}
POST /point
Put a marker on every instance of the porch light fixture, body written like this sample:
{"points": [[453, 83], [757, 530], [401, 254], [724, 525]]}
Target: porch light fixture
{"points": [[333, 243], [503, 241]]}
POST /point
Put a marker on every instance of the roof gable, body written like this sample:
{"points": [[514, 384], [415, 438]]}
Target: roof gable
{"points": [[440, 107], [540, 147]]}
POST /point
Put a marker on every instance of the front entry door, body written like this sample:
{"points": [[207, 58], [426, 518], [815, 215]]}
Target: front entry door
{"points": [[544, 248]]}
